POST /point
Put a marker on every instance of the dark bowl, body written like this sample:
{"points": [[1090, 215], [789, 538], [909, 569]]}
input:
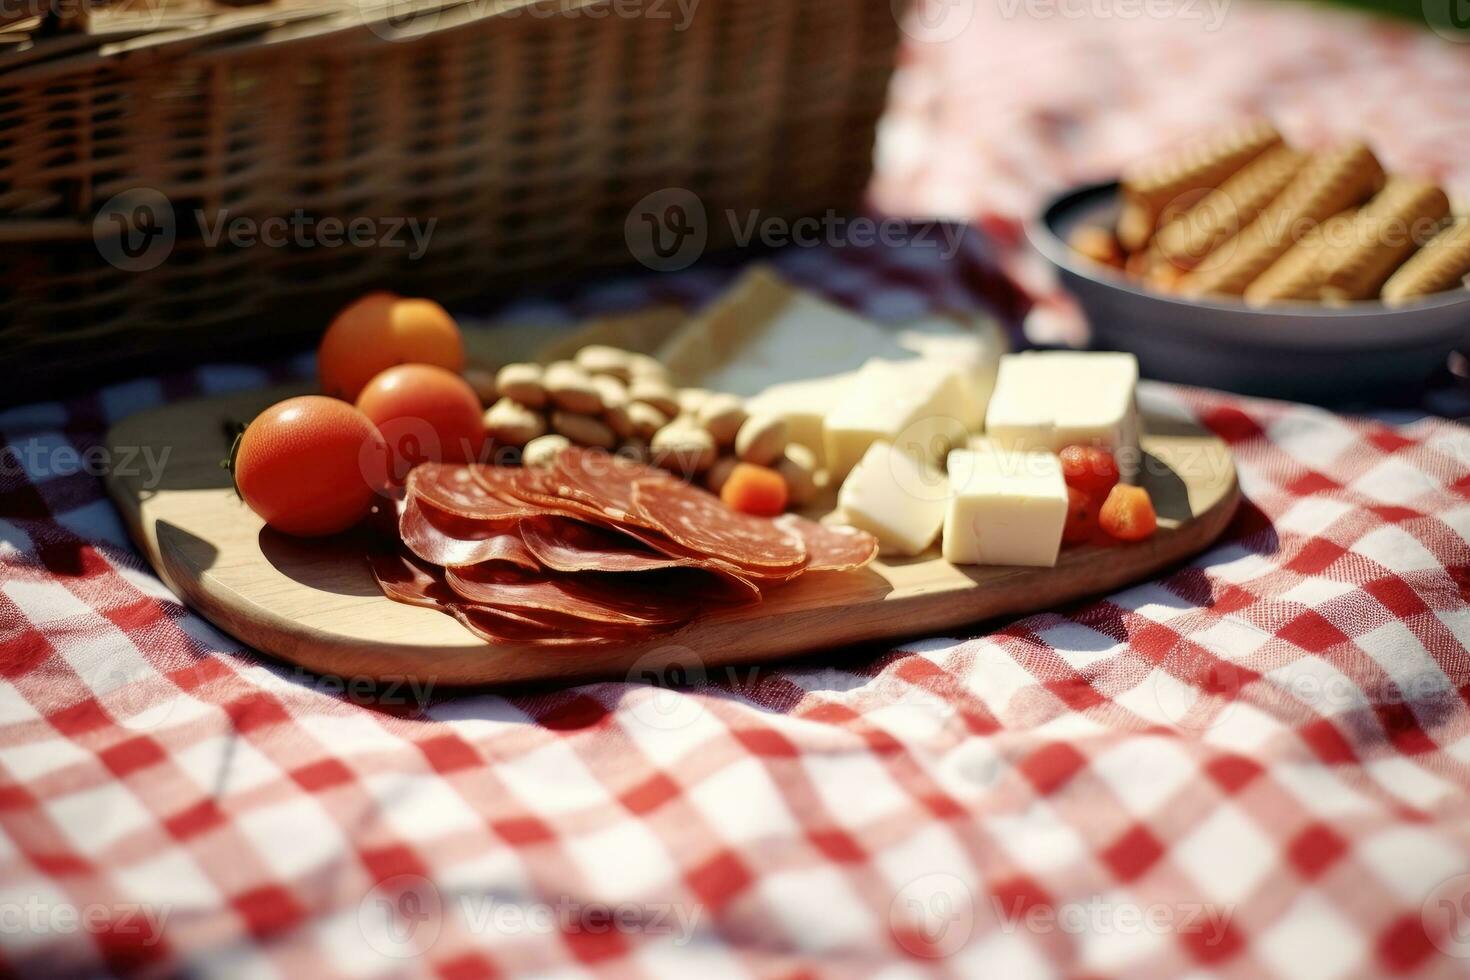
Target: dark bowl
{"points": [[1300, 351]]}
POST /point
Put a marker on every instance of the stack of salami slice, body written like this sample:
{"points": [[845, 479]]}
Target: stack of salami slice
{"points": [[593, 550]]}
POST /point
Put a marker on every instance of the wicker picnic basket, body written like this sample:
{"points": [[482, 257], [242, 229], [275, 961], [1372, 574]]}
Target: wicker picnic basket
{"points": [[525, 132]]}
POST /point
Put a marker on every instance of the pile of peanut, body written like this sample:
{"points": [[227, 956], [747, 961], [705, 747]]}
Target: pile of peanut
{"points": [[624, 402]]}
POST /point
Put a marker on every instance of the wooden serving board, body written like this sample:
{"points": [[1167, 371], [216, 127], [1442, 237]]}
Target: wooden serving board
{"points": [[314, 603]]}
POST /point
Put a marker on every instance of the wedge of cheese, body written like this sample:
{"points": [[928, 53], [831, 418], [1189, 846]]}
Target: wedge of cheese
{"points": [[918, 406], [895, 496], [1005, 508], [1053, 399]]}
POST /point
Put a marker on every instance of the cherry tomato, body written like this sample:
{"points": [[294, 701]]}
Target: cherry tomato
{"points": [[1128, 514], [1081, 517], [1090, 469], [380, 330], [300, 466], [426, 414]]}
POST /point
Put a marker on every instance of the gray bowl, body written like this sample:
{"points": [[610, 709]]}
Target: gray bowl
{"points": [[1300, 351]]}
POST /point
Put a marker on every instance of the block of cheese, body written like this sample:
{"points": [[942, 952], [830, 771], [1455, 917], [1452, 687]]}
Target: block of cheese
{"points": [[804, 405], [975, 349], [896, 497], [1052, 399], [1005, 508], [919, 406], [763, 331]]}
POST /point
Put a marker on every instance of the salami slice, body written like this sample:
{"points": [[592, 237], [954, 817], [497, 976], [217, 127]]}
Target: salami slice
{"points": [[604, 481], [454, 490], [441, 538], [589, 596], [404, 579], [502, 627], [830, 548], [567, 545], [700, 521]]}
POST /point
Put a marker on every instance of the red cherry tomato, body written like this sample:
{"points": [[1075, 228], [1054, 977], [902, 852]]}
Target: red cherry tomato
{"points": [[300, 465], [426, 414], [1081, 517], [1128, 514], [1090, 469]]}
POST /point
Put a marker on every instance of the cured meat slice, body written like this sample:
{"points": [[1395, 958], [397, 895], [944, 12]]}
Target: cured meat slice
{"points": [[574, 546], [442, 538], [567, 545], [404, 579], [590, 596], [454, 490], [502, 627], [700, 521], [604, 481], [830, 548]]}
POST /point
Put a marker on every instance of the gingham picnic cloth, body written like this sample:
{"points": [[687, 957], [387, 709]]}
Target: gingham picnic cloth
{"points": [[1256, 764]]}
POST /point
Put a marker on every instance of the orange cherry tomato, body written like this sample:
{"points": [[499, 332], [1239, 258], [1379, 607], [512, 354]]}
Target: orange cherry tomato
{"points": [[1128, 514], [302, 465], [1081, 517], [757, 490], [426, 414], [1090, 469], [380, 330]]}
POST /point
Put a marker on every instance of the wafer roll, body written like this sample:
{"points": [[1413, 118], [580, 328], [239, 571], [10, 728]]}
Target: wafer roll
{"points": [[1443, 263], [1202, 165], [1299, 273], [1228, 208], [1389, 228], [1329, 182]]}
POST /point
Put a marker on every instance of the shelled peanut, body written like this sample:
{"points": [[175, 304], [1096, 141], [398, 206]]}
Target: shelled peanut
{"points": [[623, 401]]}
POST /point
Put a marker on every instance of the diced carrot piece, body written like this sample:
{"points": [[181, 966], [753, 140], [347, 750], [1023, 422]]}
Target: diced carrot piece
{"points": [[1081, 517], [753, 489], [1128, 513]]}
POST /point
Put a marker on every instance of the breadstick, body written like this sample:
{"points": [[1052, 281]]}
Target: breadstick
{"points": [[1443, 263], [1328, 183], [1405, 214], [1298, 274], [1229, 208], [1150, 187]]}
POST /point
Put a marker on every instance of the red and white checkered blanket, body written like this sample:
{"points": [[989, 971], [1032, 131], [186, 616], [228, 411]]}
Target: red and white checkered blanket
{"points": [[1254, 765]]}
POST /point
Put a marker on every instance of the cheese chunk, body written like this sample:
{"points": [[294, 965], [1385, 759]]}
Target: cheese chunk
{"points": [[896, 497], [1053, 399], [918, 405], [1005, 508], [804, 406], [976, 352]]}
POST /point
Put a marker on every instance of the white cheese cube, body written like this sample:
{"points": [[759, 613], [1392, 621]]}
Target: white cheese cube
{"points": [[896, 497], [804, 406], [1005, 508], [975, 351], [918, 405], [1053, 399]]}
